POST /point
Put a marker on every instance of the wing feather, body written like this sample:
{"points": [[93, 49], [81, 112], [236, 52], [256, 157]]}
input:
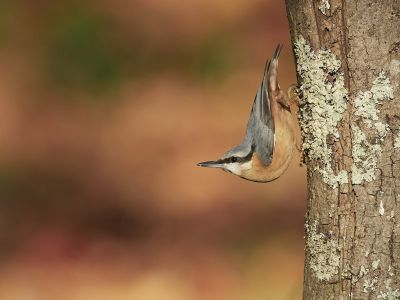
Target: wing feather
{"points": [[261, 127]]}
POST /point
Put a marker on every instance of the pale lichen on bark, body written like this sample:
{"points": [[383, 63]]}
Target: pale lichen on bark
{"points": [[366, 108], [369, 285], [381, 208], [367, 103], [324, 253], [397, 142], [324, 6], [365, 157], [389, 293], [375, 263], [323, 102]]}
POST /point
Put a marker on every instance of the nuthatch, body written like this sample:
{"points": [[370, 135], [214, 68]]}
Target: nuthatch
{"points": [[268, 146]]}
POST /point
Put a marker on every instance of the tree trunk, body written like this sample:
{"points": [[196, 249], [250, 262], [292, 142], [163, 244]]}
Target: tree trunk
{"points": [[348, 69]]}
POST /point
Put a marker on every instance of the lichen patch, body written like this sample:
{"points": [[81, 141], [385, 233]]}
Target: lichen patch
{"points": [[390, 293], [381, 208], [397, 142], [364, 155], [367, 103], [363, 271], [366, 108], [375, 264], [369, 284], [324, 6], [323, 251], [322, 104]]}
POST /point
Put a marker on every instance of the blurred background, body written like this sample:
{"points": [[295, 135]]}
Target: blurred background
{"points": [[105, 109]]}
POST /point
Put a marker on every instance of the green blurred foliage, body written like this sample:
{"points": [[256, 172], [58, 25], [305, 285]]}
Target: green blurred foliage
{"points": [[81, 52], [210, 58], [86, 50], [5, 17]]}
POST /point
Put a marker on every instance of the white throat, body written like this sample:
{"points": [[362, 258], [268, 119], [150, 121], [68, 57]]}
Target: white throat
{"points": [[238, 168]]}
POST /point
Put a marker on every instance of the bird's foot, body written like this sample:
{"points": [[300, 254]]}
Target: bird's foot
{"points": [[292, 95]]}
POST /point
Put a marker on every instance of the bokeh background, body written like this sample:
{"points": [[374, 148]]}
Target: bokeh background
{"points": [[105, 109]]}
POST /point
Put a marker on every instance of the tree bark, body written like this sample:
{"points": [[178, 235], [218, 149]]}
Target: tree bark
{"points": [[348, 69]]}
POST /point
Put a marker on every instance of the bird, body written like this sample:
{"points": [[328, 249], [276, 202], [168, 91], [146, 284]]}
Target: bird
{"points": [[270, 141]]}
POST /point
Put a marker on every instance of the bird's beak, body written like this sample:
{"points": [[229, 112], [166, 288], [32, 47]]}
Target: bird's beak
{"points": [[210, 164]]}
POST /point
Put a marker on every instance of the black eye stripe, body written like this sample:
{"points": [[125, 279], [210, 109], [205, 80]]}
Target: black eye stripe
{"points": [[234, 159]]}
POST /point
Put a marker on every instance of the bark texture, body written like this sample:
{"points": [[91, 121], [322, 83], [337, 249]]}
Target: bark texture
{"points": [[353, 228]]}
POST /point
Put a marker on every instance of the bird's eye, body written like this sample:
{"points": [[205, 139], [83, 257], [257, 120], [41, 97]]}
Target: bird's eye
{"points": [[234, 159]]}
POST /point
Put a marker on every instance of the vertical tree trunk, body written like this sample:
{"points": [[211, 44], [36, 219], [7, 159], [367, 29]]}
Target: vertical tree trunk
{"points": [[348, 68]]}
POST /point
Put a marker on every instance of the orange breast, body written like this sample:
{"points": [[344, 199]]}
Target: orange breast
{"points": [[283, 151]]}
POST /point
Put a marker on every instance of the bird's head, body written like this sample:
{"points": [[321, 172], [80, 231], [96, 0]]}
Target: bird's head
{"points": [[238, 161]]}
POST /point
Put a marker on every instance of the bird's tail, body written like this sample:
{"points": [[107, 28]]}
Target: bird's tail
{"points": [[269, 84], [272, 70]]}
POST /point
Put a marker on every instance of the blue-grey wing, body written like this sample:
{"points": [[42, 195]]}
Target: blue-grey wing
{"points": [[261, 126]]}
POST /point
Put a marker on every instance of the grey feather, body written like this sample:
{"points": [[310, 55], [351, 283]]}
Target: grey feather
{"points": [[260, 127]]}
